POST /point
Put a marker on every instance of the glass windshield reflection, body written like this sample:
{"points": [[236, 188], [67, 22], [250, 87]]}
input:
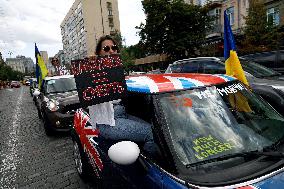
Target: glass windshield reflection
{"points": [[60, 85], [215, 121]]}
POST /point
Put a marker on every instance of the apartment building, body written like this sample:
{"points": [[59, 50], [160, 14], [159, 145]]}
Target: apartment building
{"points": [[61, 57], [21, 63], [85, 23], [275, 11]]}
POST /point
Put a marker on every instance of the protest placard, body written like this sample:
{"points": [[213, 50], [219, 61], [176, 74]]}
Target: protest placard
{"points": [[99, 79]]}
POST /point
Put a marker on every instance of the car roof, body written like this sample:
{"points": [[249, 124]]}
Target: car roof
{"points": [[157, 83], [193, 59], [58, 77]]}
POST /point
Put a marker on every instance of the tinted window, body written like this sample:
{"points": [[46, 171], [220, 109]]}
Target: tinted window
{"points": [[212, 67], [138, 105], [190, 67]]}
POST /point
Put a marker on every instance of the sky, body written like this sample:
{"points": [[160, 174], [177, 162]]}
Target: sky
{"points": [[25, 22]]}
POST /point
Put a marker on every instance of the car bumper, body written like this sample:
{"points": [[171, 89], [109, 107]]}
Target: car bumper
{"points": [[60, 122]]}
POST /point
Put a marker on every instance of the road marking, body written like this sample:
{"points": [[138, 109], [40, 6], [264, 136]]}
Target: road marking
{"points": [[11, 160]]}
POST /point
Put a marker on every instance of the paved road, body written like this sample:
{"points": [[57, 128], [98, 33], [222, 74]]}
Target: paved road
{"points": [[28, 158]]}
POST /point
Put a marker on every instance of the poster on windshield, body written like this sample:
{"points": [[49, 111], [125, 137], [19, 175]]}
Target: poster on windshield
{"points": [[99, 79]]}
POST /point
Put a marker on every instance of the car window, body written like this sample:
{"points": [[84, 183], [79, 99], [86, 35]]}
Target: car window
{"points": [[138, 105], [190, 67], [214, 121], [60, 85], [257, 70], [174, 68], [212, 67]]}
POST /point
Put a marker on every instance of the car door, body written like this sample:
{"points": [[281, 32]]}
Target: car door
{"points": [[144, 173]]}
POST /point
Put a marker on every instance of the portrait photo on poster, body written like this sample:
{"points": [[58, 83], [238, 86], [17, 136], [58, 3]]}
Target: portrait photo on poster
{"points": [[99, 79]]}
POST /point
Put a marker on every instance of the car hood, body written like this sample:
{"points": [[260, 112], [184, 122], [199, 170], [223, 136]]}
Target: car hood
{"points": [[65, 98]]}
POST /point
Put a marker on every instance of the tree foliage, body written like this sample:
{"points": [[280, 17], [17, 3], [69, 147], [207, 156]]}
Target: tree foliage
{"points": [[6, 72], [173, 27], [260, 35], [127, 58]]}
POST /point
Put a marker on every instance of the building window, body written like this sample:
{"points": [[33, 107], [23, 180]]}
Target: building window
{"points": [[230, 13], [273, 16], [110, 20], [109, 5], [109, 8]]}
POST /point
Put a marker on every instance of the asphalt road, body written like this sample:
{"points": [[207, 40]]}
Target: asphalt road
{"points": [[28, 158]]}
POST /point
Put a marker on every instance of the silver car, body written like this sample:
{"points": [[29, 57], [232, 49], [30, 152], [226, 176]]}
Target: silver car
{"points": [[266, 82]]}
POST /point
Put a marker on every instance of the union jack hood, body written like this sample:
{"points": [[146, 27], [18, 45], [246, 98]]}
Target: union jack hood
{"points": [[155, 83]]}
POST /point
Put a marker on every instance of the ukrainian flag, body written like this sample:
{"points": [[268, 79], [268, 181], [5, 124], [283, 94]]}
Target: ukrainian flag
{"points": [[232, 63], [41, 70]]}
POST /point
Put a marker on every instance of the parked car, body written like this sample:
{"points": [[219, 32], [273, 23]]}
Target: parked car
{"points": [[27, 83], [271, 59], [15, 84], [210, 131], [57, 102], [264, 81], [33, 85]]}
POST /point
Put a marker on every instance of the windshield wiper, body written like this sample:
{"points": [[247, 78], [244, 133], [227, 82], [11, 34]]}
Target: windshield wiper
{"points": [[273, 154], [275, 145]]}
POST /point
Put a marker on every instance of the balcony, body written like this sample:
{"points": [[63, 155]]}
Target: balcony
{"points": [[215, 31]]}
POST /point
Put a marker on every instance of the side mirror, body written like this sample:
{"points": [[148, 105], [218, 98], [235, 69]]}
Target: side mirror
{"points": [[124, 152], [36, 92]]}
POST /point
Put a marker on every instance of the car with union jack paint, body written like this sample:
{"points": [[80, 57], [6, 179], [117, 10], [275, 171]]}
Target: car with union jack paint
{"points": [[209, 131]]}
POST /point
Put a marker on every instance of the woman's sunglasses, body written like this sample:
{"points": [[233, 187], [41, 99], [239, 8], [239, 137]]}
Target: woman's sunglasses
{"points": [[113, 47]]}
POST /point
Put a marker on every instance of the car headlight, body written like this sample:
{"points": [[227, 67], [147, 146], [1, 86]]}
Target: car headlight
{"points": [[53, 105]]}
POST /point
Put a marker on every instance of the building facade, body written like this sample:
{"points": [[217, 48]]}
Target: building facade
{"points": [[275, 11], [85, 23], [22, 64], [61, 57]]}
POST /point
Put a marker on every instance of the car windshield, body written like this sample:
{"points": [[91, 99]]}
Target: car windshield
{"points": [[60, 85], [211, 122], [257, 70]]}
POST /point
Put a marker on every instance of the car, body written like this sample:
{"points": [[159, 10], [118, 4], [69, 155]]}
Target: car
{"points": [[271, 59], [210, 131], [57, 102], [33, 85], [266, 82], [136, 73], [15, 84], [27, 83]]}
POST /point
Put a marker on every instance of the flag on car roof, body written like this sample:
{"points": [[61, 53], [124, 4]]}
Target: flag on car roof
{"points": [[232, 63], [41, 70]]}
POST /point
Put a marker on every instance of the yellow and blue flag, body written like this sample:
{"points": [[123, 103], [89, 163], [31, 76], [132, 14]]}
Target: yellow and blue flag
{"points": [[41, 70], [232, 63]]}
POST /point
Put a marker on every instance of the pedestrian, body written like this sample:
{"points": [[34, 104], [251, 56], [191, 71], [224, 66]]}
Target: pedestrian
{"points": [[110, 117]]}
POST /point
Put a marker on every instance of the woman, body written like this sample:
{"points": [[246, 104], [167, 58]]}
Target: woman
{"points": [[110, 117]]}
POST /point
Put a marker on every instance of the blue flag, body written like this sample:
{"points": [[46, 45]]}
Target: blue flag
{"points": [[232, 62]]}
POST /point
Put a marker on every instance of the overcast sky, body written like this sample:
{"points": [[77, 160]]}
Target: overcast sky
{"points": [[24, 22]]}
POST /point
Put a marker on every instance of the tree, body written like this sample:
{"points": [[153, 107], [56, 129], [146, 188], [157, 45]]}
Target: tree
{"points": [[1, 59], [127, 58], [260, 35], [173, 27]]}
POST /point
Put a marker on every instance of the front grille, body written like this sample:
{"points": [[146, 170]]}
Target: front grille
{"points": [[70, 108]]}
